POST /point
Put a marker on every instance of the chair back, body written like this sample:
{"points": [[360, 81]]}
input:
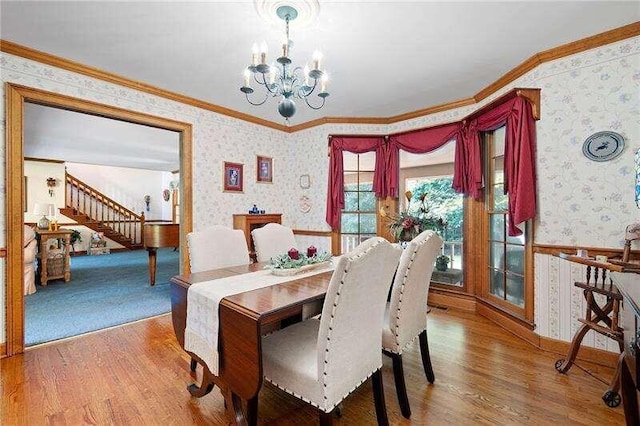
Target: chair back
{"points": [[217, 247], [349, 338], [271, 240], [408, 304]]}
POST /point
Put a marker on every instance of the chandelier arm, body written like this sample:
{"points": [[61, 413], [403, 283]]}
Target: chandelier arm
{"points": [[264, 83], [303, 94], [306, 99], [258, 103]]}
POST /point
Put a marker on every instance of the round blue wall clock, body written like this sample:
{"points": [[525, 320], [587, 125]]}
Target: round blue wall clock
{"points": [[603, 146]]}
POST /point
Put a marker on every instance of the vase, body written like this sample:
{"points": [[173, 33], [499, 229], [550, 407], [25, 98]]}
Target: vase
{"points": [[441, 267]]}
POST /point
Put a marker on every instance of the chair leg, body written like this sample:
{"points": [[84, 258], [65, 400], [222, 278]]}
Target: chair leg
{"points": [[193, 364], [326, 419], [401, 388], [426, 358], [378, 397]]}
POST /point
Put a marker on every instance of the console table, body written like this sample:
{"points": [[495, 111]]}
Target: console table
{"points": [[249, 222], [45, 255]]}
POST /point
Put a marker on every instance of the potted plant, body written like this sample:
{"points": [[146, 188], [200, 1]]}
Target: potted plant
{"points": [[76, 236], [442, 262], [406, 225]]}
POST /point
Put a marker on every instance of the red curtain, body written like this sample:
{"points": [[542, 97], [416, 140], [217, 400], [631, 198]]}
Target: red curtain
{"points": [[520, 175], [418, 142], [357, 145]]}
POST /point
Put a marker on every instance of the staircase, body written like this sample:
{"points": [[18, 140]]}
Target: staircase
{"points": [[91, 208]]}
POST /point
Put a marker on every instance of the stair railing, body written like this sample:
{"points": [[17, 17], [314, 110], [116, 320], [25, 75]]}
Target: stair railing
{"points": [[98, 207]]}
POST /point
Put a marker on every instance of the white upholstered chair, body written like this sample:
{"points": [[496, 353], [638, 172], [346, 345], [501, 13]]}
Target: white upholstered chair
{"points": [[271, 240], [30, 249], [406, 313], [216, 247], [322, 361]]}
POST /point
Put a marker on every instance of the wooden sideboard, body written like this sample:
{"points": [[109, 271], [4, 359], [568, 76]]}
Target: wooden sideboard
{"points": [[249, 222]]}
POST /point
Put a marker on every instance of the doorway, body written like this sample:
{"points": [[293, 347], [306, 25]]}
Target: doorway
{"points": [[16, 96]]}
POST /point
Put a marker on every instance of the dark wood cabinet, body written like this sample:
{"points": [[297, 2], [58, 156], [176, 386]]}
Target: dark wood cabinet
{"points": [[249, 222]]}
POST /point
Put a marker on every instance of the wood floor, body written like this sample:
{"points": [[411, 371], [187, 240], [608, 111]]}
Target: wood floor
{"points": [[137, 374]]}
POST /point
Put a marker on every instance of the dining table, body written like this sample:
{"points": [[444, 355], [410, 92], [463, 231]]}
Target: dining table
{"points": [[243, 318]]}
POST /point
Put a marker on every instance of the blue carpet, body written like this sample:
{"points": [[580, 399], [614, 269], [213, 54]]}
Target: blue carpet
{"points": [[104, 291]]}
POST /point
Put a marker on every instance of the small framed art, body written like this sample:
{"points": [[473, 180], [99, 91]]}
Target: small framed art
{"points": [[264, 169], [232, 177]]}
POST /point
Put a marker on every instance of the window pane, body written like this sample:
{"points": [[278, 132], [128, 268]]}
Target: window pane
{"points": [[367, 161], [515, 289], [497, 283], [368, 223], [349, 223], [515, 259], [351, 201], [497, 227], [497, 255], [515, 240], [500, 199], [350, 182], [366, 186], [367, 201]]}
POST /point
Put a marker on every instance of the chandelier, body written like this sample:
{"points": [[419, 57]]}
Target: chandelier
{"points": [[285, 80]]}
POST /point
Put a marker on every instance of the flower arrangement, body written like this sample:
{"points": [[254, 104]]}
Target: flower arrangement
{"points": [[406, 226], [293, 259]]}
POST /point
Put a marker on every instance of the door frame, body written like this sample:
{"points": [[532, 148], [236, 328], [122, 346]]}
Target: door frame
{"points": [[16, 96]]}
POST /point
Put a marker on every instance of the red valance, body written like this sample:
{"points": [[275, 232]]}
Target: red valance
{"points": [[418, 142], [357, 145]]}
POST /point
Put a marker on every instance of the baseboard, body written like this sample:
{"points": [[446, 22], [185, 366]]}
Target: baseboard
{"points": [[586, 353], [511, 325], [452, 300]]}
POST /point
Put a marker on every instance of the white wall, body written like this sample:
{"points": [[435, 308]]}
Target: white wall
{"points": [[594, 90], [37, 191]]}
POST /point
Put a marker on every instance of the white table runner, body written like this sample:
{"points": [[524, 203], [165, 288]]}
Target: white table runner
{"points": [[203, 301]]}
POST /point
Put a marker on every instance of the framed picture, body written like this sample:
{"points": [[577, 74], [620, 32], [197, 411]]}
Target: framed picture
{"points": [[264, 169], [232, 177]]}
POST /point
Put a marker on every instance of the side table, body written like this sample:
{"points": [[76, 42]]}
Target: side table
{"points": [[63, 244]]}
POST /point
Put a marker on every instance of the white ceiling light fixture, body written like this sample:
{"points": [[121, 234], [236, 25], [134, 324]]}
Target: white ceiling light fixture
{"points": [[284, 79]]}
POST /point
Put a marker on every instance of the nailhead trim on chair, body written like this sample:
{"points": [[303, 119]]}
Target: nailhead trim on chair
{"points": [[404, 280]]}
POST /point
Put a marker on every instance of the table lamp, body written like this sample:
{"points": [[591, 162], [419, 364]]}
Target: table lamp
{"points": [[44, 210]]}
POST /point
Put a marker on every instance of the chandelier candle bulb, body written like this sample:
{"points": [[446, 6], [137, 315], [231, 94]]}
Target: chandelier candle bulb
{"points": [[317, 57], [254, 54], [263, 52], [247, 77], [325, 78]]}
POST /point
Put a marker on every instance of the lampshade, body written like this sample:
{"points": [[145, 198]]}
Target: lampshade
{"points": [[44, 209]]}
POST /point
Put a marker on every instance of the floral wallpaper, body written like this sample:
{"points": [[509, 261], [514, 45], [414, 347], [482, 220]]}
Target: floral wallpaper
{"points": [[581, 94]]}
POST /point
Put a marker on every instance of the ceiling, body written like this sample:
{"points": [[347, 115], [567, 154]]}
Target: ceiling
{"points": [[384, 58]]}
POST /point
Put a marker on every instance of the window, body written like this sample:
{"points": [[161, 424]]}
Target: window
{"points": [[358, 219], [506, 281]]}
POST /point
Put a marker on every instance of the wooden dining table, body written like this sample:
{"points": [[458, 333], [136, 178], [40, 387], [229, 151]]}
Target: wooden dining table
{"points": [[243, 319]]}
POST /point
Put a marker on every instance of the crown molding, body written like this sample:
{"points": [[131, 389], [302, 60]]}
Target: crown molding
{"points": [[65, 64], [602, 39]]}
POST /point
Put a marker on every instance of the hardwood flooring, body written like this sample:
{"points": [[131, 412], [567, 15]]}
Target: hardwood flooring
{"points": [[137, 374]]}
